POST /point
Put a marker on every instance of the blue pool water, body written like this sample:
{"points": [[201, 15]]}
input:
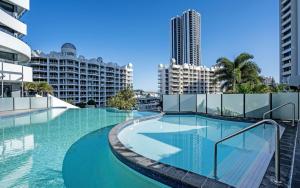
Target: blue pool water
{"points": [[34, 146], [187, 142]]}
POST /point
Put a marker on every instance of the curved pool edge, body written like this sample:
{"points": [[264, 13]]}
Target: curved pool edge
{"points": [[167, 174]]}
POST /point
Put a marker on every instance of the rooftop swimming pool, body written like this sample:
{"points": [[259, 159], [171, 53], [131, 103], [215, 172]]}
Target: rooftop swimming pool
{"points": [[59, 147], [187, 142]]}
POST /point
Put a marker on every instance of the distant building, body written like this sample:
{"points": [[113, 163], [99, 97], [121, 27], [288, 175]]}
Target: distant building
{"points": [[77, 79], [289, 42], [268, 80], [14, 53], [147, 101], [185, 38], [186, 79]]}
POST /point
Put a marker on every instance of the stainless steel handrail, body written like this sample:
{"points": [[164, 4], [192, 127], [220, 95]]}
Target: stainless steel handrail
{"points": [[285, 104], [277, 147]]}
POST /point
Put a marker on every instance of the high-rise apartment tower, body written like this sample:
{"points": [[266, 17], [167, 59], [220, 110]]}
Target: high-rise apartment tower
{"points": [[289, 42], [185, 42]]}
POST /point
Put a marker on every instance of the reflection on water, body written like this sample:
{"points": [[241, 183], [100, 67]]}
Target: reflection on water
{"points": [[187, 142], [90, 163], [32, 147]]}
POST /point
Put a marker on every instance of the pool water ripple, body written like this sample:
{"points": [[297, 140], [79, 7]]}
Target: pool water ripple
{"points": [[33, 146]]}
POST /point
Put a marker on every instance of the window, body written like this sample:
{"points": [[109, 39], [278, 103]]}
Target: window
{"points": [[286, 69]]}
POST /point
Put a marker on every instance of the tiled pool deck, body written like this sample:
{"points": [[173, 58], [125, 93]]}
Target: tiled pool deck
{"points": [[177, 177], [296, 170]]}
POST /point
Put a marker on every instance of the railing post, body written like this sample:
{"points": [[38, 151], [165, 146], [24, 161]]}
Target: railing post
{"points": [[14, 104], [294, 114], [277, 156], [196, 110], [206, 103], [276, 179], [179, 102], [244, 105], [221, 105], [215, 160]]}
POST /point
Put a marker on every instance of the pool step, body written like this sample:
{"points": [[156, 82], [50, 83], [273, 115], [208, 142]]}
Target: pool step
{"points": [[241, 164]]}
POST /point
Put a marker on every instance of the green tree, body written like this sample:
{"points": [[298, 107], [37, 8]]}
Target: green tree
{"points": [[241, 70], [40, 88], [124, 100], [44, 88], [30, 87]]}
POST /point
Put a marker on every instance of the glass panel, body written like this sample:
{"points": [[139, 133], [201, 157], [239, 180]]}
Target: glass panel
{"points": [[256, 105], [6, 104], [284, 113], [214, 104], [233, 105], [201, 103], [22, 103], [39, 102], [187, 103], [171, 103]]}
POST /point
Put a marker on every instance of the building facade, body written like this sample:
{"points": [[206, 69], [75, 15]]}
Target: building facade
{"points": [[186, 79], [185, 38], [289, 42], [14, 53], [77, 79]]}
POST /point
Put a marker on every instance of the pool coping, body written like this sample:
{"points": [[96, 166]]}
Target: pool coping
{"points": [[167, 174]]}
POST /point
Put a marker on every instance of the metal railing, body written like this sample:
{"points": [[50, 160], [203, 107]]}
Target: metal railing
{"points": [[276, 180], [285, 104]]}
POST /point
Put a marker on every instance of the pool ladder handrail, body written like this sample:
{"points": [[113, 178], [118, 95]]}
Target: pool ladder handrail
{"points": [[278, 107], [276, 180]]}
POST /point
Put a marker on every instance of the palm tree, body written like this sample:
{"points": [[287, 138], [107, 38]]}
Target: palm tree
{"points": [[44, 88], [30, 87], [38, 87], [241, 70]]}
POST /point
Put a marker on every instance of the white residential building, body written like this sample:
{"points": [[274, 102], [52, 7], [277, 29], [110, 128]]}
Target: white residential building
{"points": [[186, 79], [14, 53], [77, 79], [289, 42], [185, 38]]}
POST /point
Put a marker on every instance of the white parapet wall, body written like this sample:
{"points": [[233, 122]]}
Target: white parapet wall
{"points": [[57, 103]]}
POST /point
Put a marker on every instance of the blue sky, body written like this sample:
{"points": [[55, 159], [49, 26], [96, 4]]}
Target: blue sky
{"points": [[138, 31]]}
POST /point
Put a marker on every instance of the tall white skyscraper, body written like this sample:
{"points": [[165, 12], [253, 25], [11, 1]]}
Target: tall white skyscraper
{"points": [[289, 42], [185, 34]]}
